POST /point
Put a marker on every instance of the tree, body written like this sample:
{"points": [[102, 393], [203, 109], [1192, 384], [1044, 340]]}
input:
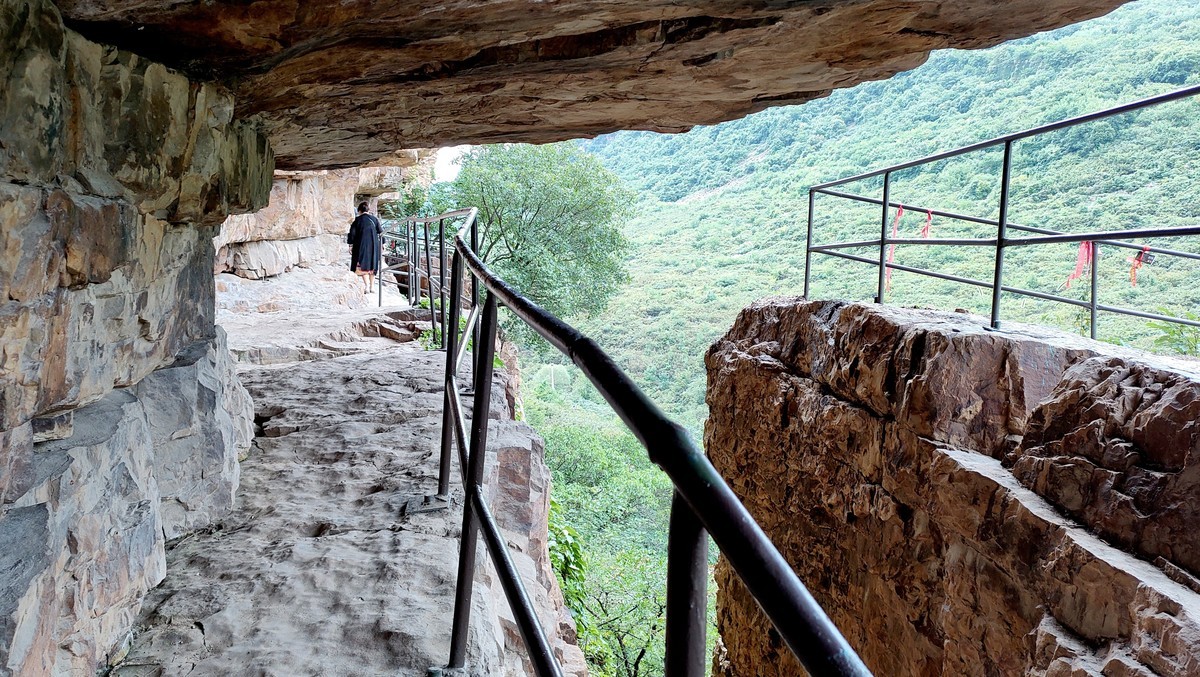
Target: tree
{"points": [[549, 219]]}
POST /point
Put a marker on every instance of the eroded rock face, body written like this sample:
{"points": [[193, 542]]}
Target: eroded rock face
{"points": [[341, 85], [83, 533], [115, 171], [892, 431], [116, 423]]}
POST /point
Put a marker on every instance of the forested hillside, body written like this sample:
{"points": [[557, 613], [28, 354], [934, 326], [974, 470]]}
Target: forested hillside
{"points": [[723, 211], [721, 222]]}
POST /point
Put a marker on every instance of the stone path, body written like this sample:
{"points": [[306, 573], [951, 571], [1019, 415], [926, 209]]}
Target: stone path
{"points": [[319, 570]]}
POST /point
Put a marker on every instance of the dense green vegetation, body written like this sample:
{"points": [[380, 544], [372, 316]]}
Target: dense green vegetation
{"points": [[723, 211], [721, 222]]}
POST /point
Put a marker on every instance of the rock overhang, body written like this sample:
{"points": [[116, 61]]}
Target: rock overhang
{"points": [[342, 84]]}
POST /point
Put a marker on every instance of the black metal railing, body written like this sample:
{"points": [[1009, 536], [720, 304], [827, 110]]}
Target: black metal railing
{"points": [[1002, 241], [702, 500], [410, 247]]}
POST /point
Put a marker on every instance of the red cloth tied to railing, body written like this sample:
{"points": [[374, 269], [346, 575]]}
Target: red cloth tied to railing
{"points": [[928, 223], [892, 248], [1082, 260], [1138, 262]]}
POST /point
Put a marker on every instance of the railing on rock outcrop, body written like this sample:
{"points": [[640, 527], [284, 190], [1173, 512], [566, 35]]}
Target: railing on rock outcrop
{"points": [[1087, 257], [702, 501]]}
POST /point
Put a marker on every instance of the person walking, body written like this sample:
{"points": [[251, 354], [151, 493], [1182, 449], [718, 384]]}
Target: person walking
{"points": [[364, 245]]}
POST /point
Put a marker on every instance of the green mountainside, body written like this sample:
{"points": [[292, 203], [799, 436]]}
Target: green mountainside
{"points": [[722, 221], [723, 214]]}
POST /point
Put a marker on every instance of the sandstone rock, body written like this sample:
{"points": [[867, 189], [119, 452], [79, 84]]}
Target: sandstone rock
{"points": [[201, 421], [1116, 446], [322, 569], [301, 205], [84, 518], [71, 345], [261, 259], [112, 170], [338, 88], [54, 427], [866, 441], [380, 180]]}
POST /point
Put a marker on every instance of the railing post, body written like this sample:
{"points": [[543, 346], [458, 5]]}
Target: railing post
{"points": [[808, 243], [883, 235], [475, 280], [410, 238], [687, 597], [449, 388], [1095, 283], [1001, 235], [470, 527], [433, 316], [442, 277], [379, 265]]}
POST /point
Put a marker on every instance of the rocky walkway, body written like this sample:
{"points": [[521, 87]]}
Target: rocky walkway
{"points": [[327, 564]]}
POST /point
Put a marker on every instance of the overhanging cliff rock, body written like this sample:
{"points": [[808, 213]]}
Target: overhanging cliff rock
{"points": [[341, 84], [961, 501]]}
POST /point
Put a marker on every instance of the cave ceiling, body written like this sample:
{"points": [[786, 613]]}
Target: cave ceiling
{"points": [[339, 83]]}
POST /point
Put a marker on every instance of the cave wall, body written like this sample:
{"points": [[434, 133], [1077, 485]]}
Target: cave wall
{"points": [[961, 501], [120, 415]]}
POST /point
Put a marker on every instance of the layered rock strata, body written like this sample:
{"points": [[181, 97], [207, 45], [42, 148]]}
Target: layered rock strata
{"points": [[332, 562], [118, 423], [961, 501], [308, 215], [303, 224], [339, 87], [83, 539]]}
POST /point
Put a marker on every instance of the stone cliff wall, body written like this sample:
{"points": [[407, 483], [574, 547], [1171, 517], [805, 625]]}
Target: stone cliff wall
{"points": [[309, 212], [961, 501], [119, 415], [303, 224]]}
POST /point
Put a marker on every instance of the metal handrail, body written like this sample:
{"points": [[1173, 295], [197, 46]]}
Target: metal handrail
{"points": [[1001, 241], [702, 500]]}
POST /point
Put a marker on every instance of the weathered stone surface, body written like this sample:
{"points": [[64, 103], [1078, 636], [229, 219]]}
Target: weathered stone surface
{"points": [[112, 170], [340, 86], [124, 126], [73, 344], [201, 421], [302, 204], [321, 569], [1117, 447], [867, 441], [86, 515], [261, 259]]}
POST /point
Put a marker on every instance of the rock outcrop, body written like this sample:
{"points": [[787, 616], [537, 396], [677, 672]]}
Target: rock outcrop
{"points": [[83, 538], [961, 501], [309, 213], [120, 419], [341, 86], [303, 224]]}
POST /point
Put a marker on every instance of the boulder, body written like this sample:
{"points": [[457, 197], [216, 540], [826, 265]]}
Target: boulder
{"points": [[874, 446]]}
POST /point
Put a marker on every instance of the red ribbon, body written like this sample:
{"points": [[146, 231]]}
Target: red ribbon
{"points": [[892, 248], [1082, 260], [928, 223], [1137, 263]]}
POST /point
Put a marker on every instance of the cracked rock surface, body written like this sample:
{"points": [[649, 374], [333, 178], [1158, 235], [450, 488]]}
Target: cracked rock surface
{"points": [[330, 562], [339, 84], [961, 501]]}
